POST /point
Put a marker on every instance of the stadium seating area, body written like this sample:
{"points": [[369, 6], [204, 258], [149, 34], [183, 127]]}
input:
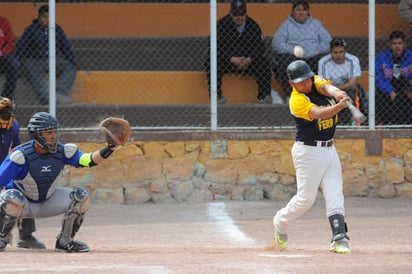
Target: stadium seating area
{"points": [[112, 53]]}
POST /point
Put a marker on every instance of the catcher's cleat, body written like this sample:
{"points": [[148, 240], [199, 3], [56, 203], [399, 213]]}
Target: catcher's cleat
{"points": [[281, 239], [340, 246], [73, 246], [2, 246], [30, 242]]}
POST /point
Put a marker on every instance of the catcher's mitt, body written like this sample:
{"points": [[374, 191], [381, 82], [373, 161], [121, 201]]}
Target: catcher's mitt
{"points": [[116, 130]]}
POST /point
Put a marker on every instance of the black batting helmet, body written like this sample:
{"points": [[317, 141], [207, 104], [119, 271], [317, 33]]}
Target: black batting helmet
{"points": [[299, 71], [41, 121]]}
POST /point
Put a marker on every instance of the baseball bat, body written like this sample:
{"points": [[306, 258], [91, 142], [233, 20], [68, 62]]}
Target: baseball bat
{"points": [[359, 116]]}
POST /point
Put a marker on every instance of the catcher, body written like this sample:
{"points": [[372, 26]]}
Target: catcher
{"points": [[30, 173]]}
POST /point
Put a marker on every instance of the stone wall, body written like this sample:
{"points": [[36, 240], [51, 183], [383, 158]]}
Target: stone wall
{"points": [[200, 170]]}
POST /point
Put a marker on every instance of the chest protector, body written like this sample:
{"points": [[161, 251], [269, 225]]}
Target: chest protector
{"points": [[43, 168]]}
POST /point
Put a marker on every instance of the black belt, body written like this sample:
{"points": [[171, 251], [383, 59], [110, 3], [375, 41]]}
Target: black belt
{"points": [[317, 143]]}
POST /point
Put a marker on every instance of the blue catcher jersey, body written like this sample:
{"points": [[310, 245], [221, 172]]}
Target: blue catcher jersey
{"points": [[35, 174]]}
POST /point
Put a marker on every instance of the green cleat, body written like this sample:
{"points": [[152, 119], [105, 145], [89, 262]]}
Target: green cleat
{"points": [[281, 239], [340, 246]]}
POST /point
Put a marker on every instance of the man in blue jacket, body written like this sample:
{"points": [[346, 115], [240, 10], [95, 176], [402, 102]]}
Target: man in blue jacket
{"points": [[393, 71], [33, 52]]}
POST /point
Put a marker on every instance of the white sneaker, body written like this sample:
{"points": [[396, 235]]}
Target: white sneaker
{"points": [[266, 100], [276, 99], [222, 100], [63, 100]]}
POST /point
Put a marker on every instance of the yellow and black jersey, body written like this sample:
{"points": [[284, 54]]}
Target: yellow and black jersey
{"points": [[308, 129]]}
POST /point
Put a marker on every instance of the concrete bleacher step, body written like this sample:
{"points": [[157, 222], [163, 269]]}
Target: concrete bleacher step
{"points": [[140, 88], [168, 87], [102, 19], [172, 87], [172, 53], [87, 116]]}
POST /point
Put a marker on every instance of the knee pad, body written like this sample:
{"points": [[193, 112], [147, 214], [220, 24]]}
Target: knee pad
{"points": [[12, 202], [80, 200]]}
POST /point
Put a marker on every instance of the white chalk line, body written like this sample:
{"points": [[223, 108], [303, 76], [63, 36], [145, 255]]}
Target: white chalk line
{"points": [[283, 255], [226, 224], [89, 268]]}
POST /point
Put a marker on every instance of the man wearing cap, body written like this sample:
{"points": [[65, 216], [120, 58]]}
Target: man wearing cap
{"points": [[314, 105], [344, 70], [299, 29], [33, 52], [241, 49]]}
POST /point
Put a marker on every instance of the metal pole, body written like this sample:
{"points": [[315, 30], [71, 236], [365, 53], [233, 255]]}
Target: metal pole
{"points": [[213, 66], [371, 70], [52, 58]]}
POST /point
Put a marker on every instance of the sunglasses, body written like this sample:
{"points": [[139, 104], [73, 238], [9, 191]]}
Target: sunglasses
{"points": [[338, 42], [239, 14]]}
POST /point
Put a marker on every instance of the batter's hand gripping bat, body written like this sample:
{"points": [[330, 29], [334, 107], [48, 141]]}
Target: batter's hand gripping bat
{"points": [[359, 116]]}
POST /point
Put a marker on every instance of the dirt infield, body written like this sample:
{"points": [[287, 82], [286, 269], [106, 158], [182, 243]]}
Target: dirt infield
{"points": [[224, 237]]}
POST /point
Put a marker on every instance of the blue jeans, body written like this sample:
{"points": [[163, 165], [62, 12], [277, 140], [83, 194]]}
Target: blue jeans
{"points": [[9, 65], [35, 70]]}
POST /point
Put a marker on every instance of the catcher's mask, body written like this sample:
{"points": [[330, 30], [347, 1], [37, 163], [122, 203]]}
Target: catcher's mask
{"points": [[42, 121], [298, 71], [7, 112]]}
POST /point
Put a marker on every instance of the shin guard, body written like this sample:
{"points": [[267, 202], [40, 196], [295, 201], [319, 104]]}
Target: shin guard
{"points": [[338, 226], [73, 218], [11, 207]]}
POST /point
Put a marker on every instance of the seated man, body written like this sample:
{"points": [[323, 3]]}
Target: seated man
{"points": [[393, 70], [241, 49], [9, 65], [405, 11], [344, 70], [33, 51], [299, 29]]}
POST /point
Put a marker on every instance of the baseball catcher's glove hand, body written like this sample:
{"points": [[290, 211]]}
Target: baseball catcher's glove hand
{"points": [[115, 130]]}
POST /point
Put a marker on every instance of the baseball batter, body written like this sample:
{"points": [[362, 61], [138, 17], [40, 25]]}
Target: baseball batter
{"points": [[314, 105]]}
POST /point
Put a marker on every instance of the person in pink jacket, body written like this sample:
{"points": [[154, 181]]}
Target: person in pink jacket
{"points": [[9, 64]]}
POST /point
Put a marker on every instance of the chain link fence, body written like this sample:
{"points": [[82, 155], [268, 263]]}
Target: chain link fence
{"points": [[145, 61]]}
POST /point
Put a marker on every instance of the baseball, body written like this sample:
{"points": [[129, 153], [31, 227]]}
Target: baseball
{"points": [[298, 51]]}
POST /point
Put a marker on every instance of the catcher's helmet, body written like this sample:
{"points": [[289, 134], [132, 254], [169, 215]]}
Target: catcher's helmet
{"points": [[299, 71], [41, 121], [7, 112]]}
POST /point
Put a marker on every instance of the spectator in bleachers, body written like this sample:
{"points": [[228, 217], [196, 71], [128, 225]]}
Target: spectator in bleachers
{"points": [[344, 70], [299, 29], [405, 11], [33, 51], [9, 64], [241, 49], [393, 70]]}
